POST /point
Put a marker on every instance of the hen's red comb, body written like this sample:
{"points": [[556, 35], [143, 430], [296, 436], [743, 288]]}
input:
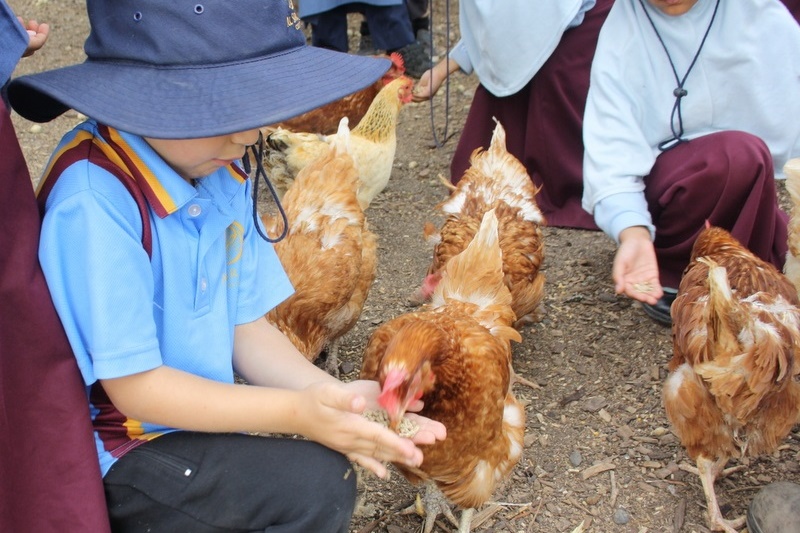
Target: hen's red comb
{"points": [[397, 60]]}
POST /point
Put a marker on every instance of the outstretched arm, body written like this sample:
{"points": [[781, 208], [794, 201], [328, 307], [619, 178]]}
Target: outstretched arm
{"points": [[333, 408], [635, 270], [288, 395], [432, 79]]}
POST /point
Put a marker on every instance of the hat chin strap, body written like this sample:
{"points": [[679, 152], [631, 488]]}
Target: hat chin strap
{"points": [[257, 150]]}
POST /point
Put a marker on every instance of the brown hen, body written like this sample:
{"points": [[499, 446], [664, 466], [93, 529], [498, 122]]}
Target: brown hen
{"points": [[732, 391], [455, 354], [495, 180], [373, 143], [325, 119], [329, 254]]}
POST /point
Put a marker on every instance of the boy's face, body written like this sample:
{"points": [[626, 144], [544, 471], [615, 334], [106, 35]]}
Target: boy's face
{"points": [[673, 7], [196, 158]]}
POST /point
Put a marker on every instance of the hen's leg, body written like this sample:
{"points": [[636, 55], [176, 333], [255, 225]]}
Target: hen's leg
{"points": [[332, 359], [722, 473], [466, 521], [516, 378], [362, 508], [435, 504], [708, 471], [432, 504]]}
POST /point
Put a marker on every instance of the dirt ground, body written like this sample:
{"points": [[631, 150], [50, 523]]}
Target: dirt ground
{"points": [[599, 452]]}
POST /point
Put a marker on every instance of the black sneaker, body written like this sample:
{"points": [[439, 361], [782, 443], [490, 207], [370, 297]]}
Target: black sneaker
{"points": [[415, 59], [775, 509], [365, 46], [425, 39], [660, 311]]}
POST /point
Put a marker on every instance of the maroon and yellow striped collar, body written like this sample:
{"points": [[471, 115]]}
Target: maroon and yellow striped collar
{"points": [[119, 151]]}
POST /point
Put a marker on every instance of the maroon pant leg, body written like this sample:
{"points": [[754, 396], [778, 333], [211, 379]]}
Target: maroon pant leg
{"points": [[49, 474], [726, 178], [543, 123], [794, 8]]}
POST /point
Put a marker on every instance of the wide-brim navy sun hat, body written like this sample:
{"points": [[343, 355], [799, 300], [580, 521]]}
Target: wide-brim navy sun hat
{"points": [[186, 69]]}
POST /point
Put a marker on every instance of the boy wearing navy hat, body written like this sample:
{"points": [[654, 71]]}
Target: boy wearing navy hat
{"points": [[153, 257]]}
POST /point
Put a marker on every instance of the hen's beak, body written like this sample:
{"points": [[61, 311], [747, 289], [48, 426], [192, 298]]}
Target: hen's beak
{"points": [[389, 398]]}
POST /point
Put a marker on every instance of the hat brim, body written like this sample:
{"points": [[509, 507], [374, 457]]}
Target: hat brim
{"points": [[197, 101]]}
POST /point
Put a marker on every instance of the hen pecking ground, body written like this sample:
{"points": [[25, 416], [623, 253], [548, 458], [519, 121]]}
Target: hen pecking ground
{"points": [[599, 451]]}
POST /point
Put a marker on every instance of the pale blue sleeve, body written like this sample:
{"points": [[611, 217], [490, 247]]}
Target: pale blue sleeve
{"points": [[617, 154], [586, 5], [459, 55], [619, 211], [98, 273]]}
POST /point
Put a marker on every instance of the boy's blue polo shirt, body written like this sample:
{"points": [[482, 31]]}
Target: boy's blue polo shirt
{"points": [[125, 312]]}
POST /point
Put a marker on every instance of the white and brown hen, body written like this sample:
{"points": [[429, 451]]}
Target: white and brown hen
{"points": [[455, 354], [329, 253], [373, 143], [495, 180], [733, 389]]}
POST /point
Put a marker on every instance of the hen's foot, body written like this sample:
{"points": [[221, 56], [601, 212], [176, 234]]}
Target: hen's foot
{"points": [[722, 473], [430, 506], [435, 504], [709, 470], [728, 526], [516, 378]]}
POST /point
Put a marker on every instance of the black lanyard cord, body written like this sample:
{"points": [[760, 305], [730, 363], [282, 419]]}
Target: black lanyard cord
{"points": [[257, 150], [679, 92], [439, 143]]}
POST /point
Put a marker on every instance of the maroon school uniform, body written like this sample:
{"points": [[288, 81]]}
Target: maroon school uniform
{"points": [[49, 476], [794, 7], [543, 122], [726, 177]]}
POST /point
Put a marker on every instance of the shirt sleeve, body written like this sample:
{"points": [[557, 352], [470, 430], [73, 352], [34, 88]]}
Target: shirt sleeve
{"points": [[586, 5], [99, 275], [624, 210], [459, 55], [617, 154]]}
